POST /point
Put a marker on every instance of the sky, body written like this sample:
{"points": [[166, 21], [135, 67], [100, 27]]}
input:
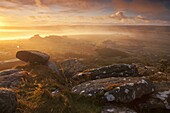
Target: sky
{"points": [[84, 12]]}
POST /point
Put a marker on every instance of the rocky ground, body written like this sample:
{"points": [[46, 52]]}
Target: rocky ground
{"points": [[45, 86]]}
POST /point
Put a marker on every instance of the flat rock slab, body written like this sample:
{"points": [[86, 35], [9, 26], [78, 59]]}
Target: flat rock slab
{"points": [[8, 101], [116, 89], [116, 109], [32, 56], [10, 78], [115, 70]]}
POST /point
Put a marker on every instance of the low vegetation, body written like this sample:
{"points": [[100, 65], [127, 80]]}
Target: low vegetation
{"points": [[35, 94]]}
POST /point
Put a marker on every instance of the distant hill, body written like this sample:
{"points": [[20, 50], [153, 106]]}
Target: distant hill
{"points": [[37, 37], [108, 52]]}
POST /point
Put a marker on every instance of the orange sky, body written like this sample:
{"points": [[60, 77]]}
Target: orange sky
{"points": [[29, 13]]}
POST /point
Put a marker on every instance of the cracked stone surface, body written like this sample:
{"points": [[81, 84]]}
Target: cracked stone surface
{"points": [[115, 70], [117, 89], [8, 101], [116, 109], [11, 77], [160, 99]]}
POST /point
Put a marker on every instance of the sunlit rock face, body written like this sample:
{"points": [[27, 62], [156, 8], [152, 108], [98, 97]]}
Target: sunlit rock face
{"points": [[115, 70], [11, 78], [8, 101], [71, 66], [118, 89], [116, 109], [32, 56]]}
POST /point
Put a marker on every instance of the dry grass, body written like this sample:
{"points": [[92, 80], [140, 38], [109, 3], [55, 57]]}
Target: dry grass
{"points": [[34, 94]]}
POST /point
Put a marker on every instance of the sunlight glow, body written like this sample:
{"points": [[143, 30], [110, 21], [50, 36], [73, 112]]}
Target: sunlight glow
{"points": [[2, 23]]}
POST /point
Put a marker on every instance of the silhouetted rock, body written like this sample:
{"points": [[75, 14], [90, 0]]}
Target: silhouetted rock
{"points": [[10, 78], [115, 109], [72, 66], [116, 89], [32, 56], [36, 37], [8, 101], [115, 70]]}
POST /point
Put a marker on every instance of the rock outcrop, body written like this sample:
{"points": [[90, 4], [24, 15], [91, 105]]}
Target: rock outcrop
{"points": [[8, 101], [160, 99], [115, 70], [54, 68], [116, 109], [33, 56], [71, 66], [116, 89], [10, 78]]}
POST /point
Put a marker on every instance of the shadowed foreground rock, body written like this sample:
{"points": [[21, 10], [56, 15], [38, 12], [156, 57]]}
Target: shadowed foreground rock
{"points": [[116, 89], [115, 70], [9, 71], [8, 101], [72, 66], [54, 68], [32, 56], [160, 99], [115, 109], [10, 78]]}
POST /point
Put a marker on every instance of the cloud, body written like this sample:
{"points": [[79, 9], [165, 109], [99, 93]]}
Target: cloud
{"points": [[86, 11], [141, 6], [76, 4], [38, 3], [118, 15]]}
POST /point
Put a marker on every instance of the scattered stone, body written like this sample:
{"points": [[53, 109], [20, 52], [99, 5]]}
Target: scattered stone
{"points": [[10, 78], [116, 109], [32, 56], [8, 101], [115, 70], [55, 92], [72, 66], [116, 89]]}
